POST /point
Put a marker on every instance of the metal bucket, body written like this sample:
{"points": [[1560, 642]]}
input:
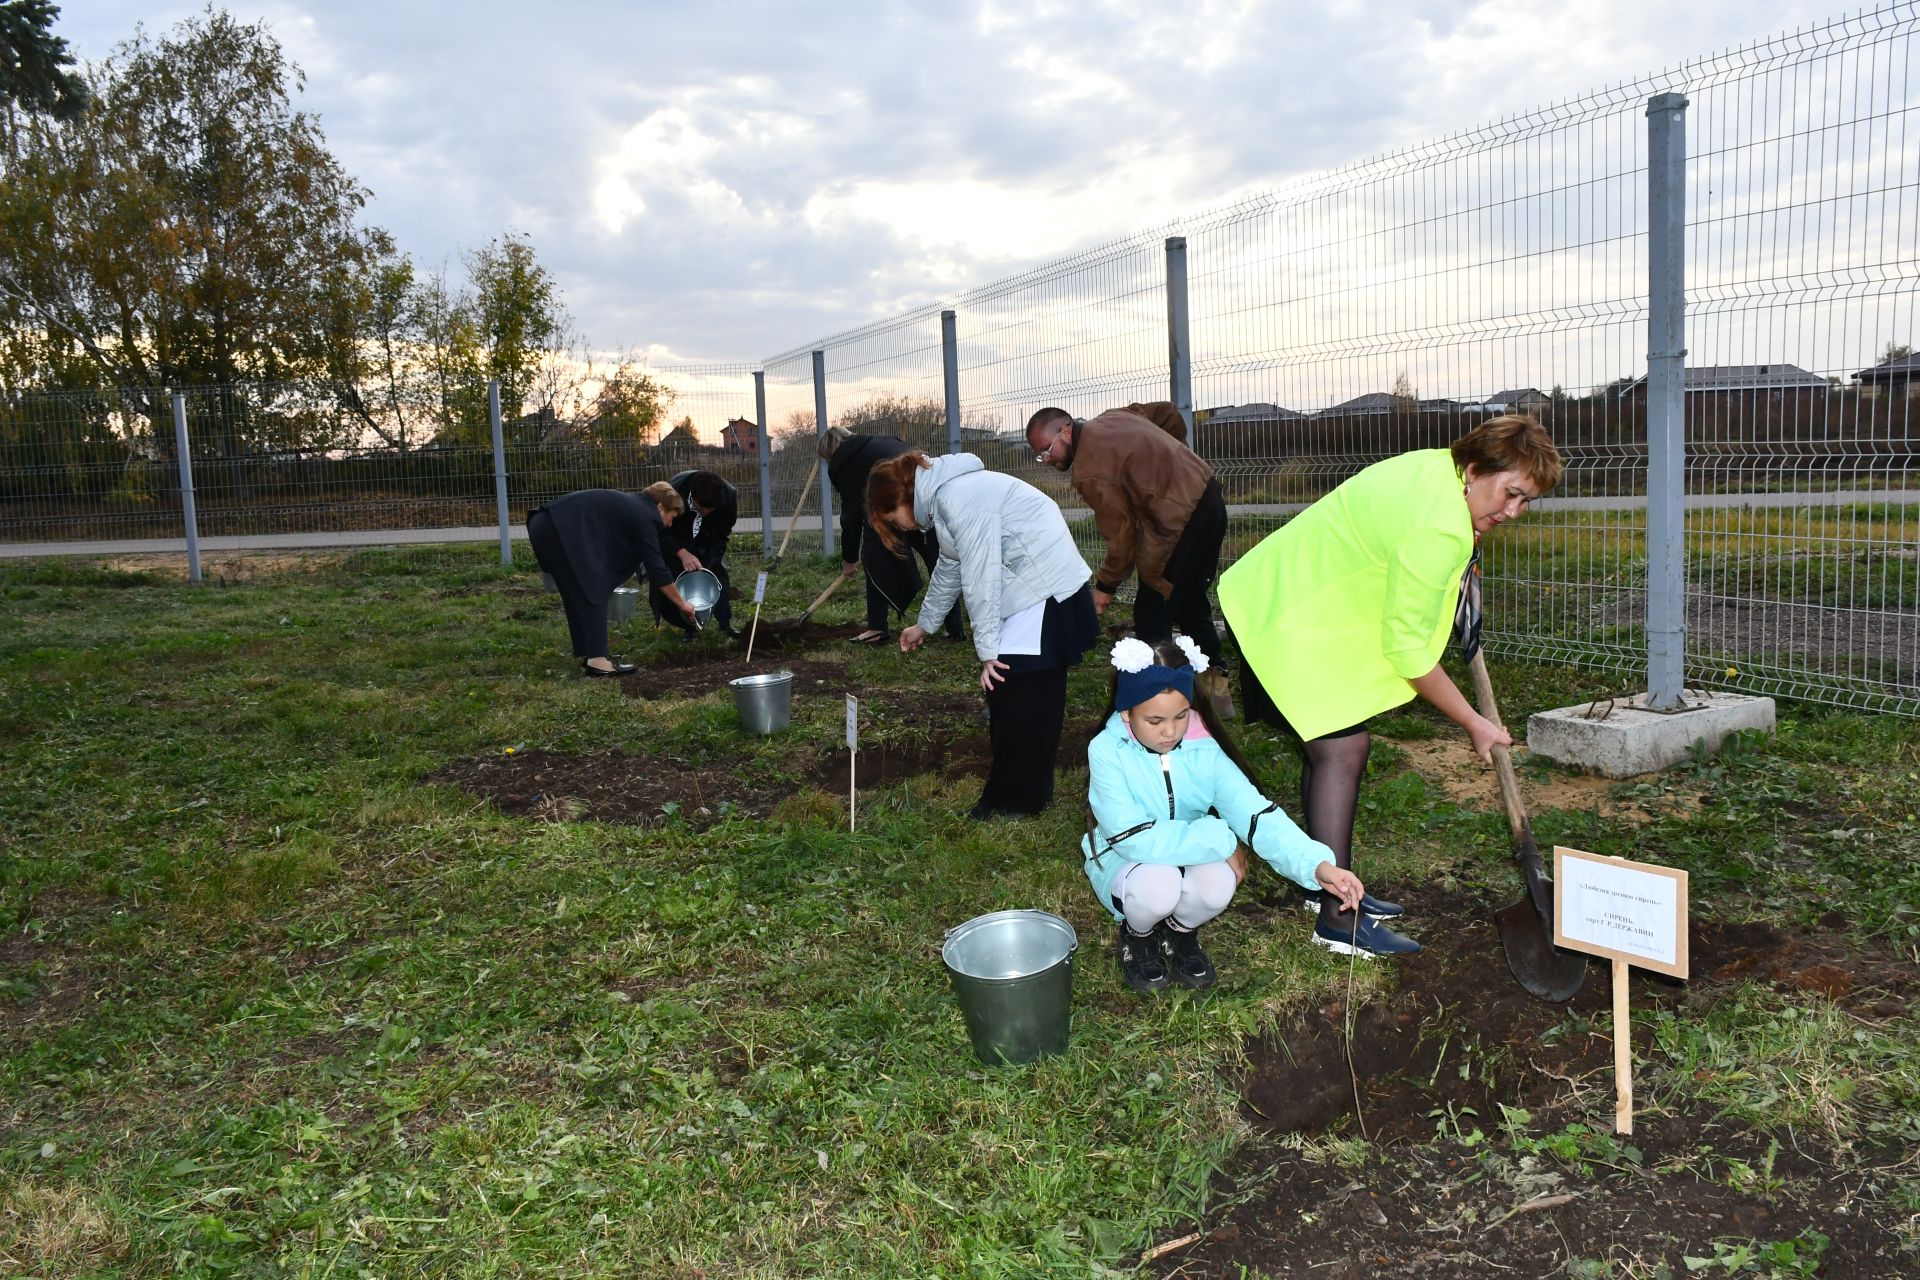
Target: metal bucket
{"points": [[700, 589], [624, 604], [765, 702], [1013, 974]]}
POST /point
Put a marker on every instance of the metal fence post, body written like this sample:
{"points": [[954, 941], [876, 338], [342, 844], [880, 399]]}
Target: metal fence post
{"points": [[1666, 399], [500, 471], [950, 371], [766, 461], [820, 429], [1179, 349], [187, 514]]}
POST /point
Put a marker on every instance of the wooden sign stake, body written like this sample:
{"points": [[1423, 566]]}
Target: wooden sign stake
{"points": [[1633, 913], [1622, 1052], [759, 594], [853, 756]]}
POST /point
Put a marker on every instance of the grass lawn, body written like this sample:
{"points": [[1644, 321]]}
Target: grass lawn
{"points": [[317, 958]]}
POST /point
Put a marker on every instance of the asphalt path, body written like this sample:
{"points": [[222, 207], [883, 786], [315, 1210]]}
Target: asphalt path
{"points": [[751, 527]]}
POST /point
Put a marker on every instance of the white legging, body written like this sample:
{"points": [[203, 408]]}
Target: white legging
{"points": [[1190, 896]]}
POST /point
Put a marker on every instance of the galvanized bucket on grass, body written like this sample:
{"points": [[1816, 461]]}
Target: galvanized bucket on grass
{"points": [[1013, 974], [765, 701], [624, 604]]}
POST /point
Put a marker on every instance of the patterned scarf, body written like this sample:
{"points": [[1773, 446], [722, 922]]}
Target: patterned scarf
{"points": [[1466, 615]]}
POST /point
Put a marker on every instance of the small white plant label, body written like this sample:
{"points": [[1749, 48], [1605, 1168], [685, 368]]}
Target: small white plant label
{"points": [[1631, 911], [760, 588], [853, 723]]}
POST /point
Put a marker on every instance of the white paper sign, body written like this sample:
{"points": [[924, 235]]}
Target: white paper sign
{"points": [[853, 723], [760, 589], [1632, 911]]}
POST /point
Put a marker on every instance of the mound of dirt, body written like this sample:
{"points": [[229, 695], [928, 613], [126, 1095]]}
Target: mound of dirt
{"points": [[1439, 1058], [1448, 762]]}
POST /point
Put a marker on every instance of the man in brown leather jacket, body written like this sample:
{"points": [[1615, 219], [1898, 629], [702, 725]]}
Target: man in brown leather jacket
{"points": [[1156, 503]]}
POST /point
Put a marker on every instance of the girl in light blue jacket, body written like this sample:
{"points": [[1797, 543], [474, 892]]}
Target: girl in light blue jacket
{"points": [[1155, 855]]}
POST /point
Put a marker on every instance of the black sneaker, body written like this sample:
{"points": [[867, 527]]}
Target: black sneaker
{"points": [[1142, 959], [1188, 960]]}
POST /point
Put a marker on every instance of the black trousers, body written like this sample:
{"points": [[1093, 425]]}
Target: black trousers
{"points": [[1026, 713], [1190, 571], [586, 619], [894, 580]]}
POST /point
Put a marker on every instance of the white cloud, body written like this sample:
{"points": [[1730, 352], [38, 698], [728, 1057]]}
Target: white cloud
{"points": [[736, 179]]}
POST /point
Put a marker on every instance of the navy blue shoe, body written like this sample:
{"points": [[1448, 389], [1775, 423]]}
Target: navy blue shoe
{"points": [[1371, 939], [1375, 908]]}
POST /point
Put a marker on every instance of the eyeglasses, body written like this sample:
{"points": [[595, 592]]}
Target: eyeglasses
{"points": [[1045, 456]]}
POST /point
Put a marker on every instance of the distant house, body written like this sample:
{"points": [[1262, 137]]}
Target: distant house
{"points": [[680, 438], [1247, 415], [1360, 406], [1727, 379], [1519, 400], [740, 436], [1896, 377], [1449, 406]]}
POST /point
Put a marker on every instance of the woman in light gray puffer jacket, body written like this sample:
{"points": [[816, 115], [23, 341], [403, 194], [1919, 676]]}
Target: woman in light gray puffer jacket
{"points": [[1005, 549]]}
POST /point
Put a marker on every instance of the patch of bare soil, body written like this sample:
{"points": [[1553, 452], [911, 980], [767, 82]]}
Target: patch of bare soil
{"points": [[612, 786], [1449, 763], [710, 674], [223, 567], [1459, 1039]]}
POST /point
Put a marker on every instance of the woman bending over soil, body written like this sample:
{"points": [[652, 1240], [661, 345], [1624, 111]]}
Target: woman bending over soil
{"points": [[1005, 548], [1172, 815], [590, 542]]}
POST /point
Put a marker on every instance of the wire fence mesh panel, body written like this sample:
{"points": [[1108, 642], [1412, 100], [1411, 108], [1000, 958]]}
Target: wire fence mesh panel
{"points": [[796, 457], [671, 418], [1085, 335], [287, 458], [1803, 227], [84, 465], [1396, 304]]}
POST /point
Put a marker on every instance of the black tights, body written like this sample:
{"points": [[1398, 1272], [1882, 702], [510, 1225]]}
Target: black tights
{"points": [[1331, 767], [1330, 772]]}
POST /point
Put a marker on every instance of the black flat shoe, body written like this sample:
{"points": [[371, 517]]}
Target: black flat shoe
{"points": [[619, 669]]}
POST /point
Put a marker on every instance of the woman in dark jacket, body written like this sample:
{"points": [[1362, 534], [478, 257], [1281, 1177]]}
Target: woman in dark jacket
{"points": [[592, 541], [892, 578], [698, 540]]}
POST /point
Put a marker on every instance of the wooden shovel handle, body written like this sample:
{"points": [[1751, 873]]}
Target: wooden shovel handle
{"points": [[794, 519], [822, 597], [1502, 762]]}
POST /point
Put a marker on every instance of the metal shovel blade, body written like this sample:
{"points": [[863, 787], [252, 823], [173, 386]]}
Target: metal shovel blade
{"points": [[1526, 935], [784, 625], [1526, 927]]}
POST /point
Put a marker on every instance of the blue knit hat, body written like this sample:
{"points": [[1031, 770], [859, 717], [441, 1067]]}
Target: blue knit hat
{"points": [[1141, 677]]}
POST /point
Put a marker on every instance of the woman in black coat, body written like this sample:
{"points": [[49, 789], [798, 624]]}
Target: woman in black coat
{"points": [[892, 580], [592, 541]]}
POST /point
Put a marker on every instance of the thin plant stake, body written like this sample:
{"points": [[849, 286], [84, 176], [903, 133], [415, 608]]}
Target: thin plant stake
{"points": [[759, 594], [1622, 1053], [853, 754], [1353, 957]]}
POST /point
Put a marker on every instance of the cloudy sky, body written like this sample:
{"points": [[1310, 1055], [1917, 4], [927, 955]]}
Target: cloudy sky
{"points": [[725, 181]]}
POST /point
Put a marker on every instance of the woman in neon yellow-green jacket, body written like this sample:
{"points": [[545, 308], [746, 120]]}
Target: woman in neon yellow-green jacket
{"points": [[1344, 611]]}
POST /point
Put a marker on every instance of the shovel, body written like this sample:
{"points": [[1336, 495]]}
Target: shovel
{"points": [[793, 522], [794, 623], [1526, 926]]}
